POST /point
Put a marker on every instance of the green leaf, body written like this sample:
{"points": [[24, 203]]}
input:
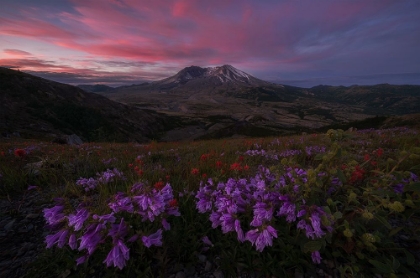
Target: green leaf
{"points": [[413, 187], [383, 221], [394, 231], [319, 156], [341, 176], [417, 167], [410, 257], [395, 263], [337, 215], [381, 267], [312, 246]]}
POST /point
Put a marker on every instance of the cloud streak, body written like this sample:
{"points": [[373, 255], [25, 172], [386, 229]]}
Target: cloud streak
{"points": [[275, 40]]}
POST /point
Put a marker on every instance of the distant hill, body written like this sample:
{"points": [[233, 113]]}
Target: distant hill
{"points": [[38, 108], [237, 99], [95, 88]]}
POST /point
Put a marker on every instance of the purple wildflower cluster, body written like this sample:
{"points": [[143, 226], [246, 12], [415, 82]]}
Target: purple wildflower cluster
{"points": [[83, 231], [102, 178], [309, 150], [227, 202], [399, 187]]}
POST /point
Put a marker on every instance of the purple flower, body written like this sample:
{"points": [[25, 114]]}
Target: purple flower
{"points": [[289, 210], [58, 238], [81, 260], [228, 222], [88, 184], [166, 225], [118, 231], [239, 231], [78, 219], [30, 187], [316, 224], [316, 257], [118, 255], [53, 215], [72, 241], [261, 239], [92, 237], [106, 218], [207, 241], [153, 239]]}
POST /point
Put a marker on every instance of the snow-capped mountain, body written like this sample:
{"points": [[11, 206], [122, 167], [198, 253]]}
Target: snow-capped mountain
{"points": [[213, 76]]}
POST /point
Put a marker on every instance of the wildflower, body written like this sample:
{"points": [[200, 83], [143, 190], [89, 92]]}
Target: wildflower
{"points": [[58, 238], [194, 171], [53, 215], [20, 153], [118, 231], [30, 187], [166, 225], [78, 219], [159, 185], [72, 241], [118, 255], [316, 257], [367, 157], [153, 239], [236, 167], [91, 238], [81, 260], [219, 164], [173, 203], [207, 241], [261, 238]]}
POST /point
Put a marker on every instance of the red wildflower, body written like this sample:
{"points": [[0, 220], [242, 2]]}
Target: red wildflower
{"points": [[218, 164], [246, 167], [173, 203], [168, 177], [159, 185], [343, 167], [20, 152], [194, 171], [204, 157], [139, 172], [241, 158], [379, 152], [373, 163], [130, 165], [236, 167], [367, 157], [204, 175], [357, 174]]}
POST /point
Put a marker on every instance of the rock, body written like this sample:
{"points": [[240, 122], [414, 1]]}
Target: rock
{"points": [[69, 140], [202, 258], [74, 140], [32, 215], [218, 274], [208, 266], [65, 274], [9, 225]]}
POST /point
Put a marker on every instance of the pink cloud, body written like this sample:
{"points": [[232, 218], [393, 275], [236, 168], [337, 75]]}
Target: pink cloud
{"points": [[16, 52]]}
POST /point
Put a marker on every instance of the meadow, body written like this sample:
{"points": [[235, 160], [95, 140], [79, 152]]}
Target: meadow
{"points": [[339, 204]]}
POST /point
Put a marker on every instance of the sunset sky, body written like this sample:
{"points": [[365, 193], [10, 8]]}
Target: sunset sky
{"points": [[297, 42]]}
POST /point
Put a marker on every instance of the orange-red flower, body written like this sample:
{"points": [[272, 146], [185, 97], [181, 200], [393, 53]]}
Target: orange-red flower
{"points": [[159, 185], [173, 203], [194, 171], [20, 152], [236, 167]]}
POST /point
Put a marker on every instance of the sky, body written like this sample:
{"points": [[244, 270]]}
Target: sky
{"points": [[296, 42]]}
